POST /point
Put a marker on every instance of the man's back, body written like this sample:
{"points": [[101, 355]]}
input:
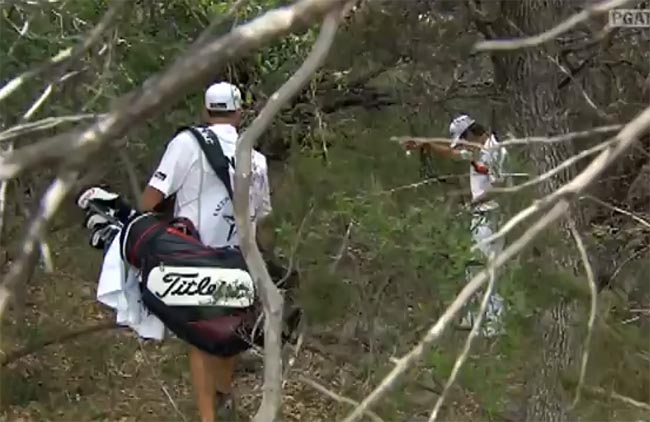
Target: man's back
{"points": [[200, 194]]}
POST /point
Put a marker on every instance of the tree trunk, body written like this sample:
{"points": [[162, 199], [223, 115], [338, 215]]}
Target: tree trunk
{"points": [[530, 79]]}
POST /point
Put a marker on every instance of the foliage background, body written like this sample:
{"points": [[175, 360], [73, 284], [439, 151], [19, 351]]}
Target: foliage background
{"points": [[394, 71]]}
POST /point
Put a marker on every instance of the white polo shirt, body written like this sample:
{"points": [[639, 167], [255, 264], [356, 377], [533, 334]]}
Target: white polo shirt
{"points": [[200, 194], [486, 169]]}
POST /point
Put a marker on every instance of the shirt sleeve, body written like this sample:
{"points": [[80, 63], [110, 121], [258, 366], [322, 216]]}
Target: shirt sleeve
{"points": [[264, 206], [173, 167]]}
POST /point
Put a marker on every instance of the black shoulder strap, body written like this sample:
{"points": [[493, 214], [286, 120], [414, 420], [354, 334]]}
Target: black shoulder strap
{"points": [[214, 153]]}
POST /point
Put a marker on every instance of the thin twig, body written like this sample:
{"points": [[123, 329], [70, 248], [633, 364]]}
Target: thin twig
{"points": [[558, 201], [294, 249], [157, 376], [621, 142], [551, 34], [207, 33], [43, 124], [632, 215], [552, 172], [134, 183], [163, 89], [58, 339], [625, 262], [560, 138], [339, 398], [271, 298], [593, 289], [614, 395], [342, 248], [468, 344], [68, 55], [49, 205], [465, 295]]}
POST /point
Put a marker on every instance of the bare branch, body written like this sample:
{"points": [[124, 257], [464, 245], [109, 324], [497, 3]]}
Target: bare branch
{"points": [[339, 398], [420, 141], [3, 193], [272, 300], [43, 124], [68, 55], [632, 215], [558, 201], [207, 33], [593, 289], [625, 262], [551, 34], [134, 183], [552, 172], [560, 138], [48, 206], [621, 142], [614, 395], [465, 295], [294, 249], [57, 339], [161, 91], [467, 347], [342, 248]]}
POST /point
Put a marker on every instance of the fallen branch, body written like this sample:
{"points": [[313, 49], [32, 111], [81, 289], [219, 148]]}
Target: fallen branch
{"points": [[551, 34], [271, 298], [58, 339], [593, 289], [339, 398], [162, 90]]}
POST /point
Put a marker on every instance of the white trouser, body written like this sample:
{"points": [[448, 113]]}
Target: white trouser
{"points": [[484, 225]]}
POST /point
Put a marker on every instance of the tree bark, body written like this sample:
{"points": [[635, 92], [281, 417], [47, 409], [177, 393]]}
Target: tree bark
{"points": [[530, 78]]}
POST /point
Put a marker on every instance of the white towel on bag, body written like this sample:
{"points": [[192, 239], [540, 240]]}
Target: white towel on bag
{"points": [[118, 288]]}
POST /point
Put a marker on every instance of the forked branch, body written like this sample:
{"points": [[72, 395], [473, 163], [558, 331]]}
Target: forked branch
{"points": [[271, 298]]}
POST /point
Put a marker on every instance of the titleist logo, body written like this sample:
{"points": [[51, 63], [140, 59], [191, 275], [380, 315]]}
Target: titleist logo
{"points": [[201, 286], [187, 285]]}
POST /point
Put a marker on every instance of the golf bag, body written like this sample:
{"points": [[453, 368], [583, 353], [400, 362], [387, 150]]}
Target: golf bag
{"points": [[204, 295]]}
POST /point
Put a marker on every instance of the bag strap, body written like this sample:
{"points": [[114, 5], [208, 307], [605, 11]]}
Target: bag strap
{"points": [[214, 153]]}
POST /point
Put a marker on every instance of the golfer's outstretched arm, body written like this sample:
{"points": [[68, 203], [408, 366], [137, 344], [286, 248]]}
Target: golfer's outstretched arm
{"points": [[439, 148]]}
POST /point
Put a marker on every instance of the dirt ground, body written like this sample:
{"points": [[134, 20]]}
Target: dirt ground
{"points": [[110, 375]]}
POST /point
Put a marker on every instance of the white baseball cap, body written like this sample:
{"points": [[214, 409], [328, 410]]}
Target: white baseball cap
{"points": [[458, 126], [222, 96]]}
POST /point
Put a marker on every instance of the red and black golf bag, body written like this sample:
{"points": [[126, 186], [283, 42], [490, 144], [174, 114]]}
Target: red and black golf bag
{"points": [[204, 295]]}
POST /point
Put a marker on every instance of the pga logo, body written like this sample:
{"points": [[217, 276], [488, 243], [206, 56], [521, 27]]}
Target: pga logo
{"points": [[629, 18]]}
